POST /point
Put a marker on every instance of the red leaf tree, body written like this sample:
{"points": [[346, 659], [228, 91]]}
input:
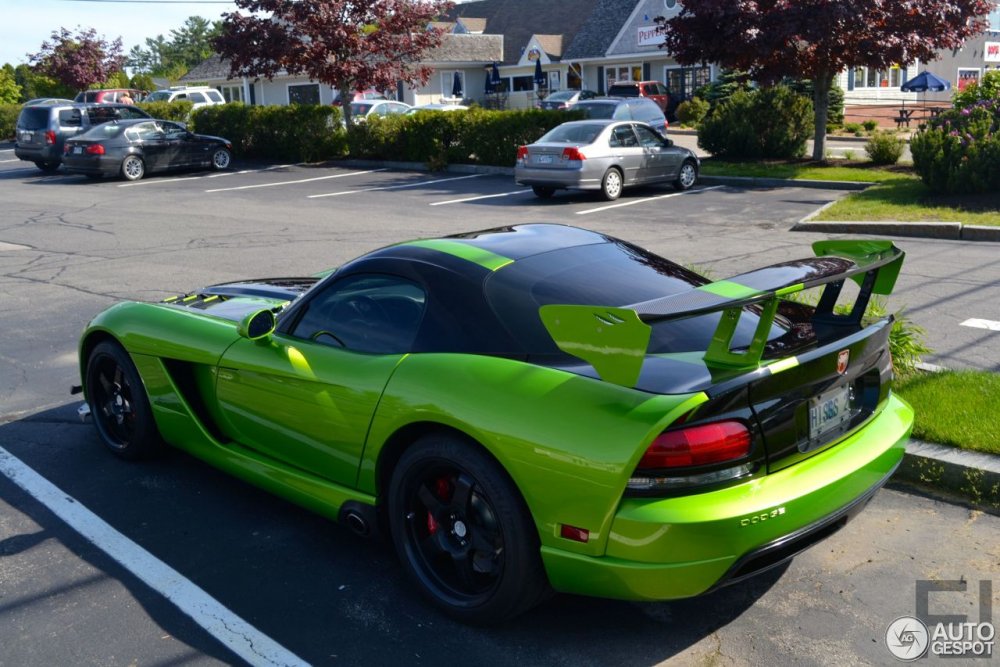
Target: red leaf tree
{"points": [[817, 39], [80, 60], [348, 44]]}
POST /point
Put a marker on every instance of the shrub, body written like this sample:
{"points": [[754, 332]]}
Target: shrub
{"points": [[985, 90], [884, 148], [959, 150], [852, 127], [870, 125], [179, 110], [768, 123], [8, 120], [299, 133], [692, 111]]}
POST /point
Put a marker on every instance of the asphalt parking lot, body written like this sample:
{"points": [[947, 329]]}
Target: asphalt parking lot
{"points": [[69, 247]]}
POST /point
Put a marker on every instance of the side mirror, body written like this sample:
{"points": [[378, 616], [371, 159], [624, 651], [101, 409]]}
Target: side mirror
{"points": [[257, 325], [667, 143]]}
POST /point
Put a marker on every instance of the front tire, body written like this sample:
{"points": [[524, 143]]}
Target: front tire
{"points": [[221, 159], [612, 184], [119, 405], [687, 176], [462, 532], [133, 168], [543, 192]]}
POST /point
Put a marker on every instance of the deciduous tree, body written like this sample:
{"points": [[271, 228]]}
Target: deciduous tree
{"points": [[10, 92], [78, 60], [348, 44], [817, 39]]}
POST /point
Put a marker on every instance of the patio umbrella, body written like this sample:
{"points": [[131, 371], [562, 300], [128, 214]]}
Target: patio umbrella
{"points": [[495, 75], [923, 82], [456, 85], [539, 74]]}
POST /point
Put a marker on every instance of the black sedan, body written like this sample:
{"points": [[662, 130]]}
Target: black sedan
{"points": [[133, 148]]}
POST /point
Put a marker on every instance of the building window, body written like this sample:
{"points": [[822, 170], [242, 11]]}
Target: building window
{"points": [[616, 73], [967, 76], [448, 82], [866, 77], [683, 81], [994, 19], [522, 83], [303, 93], [232, 93]]}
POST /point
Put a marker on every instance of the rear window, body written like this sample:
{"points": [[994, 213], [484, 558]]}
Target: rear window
{"points": [[607, 274], [360, 108], [624, 90], [103, 131], [567, 133], [215, 96], [34, 118], [600, 111]]}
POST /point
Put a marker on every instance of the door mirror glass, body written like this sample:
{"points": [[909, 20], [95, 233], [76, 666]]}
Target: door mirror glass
{"points": [[257, 325]]}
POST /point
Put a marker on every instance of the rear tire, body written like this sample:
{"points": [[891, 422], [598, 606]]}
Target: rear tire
{"points": [[543, 192], [133, 168], [221, 159], [611, 184], [462, 532], [119, 405], [47, 167], [687, 176]]}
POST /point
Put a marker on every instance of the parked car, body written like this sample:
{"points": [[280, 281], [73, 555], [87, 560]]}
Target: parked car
{"points": [[625, 108], [437, 107], [565, 99], [135, 148], [362, 111], [110, 95], [199, 96], [43, 128], [526, 407], [605, 155], [653, 90], [359, 96]]}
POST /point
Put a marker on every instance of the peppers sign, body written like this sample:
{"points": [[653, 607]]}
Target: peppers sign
{"points": [[650, 36], [991, 53]]}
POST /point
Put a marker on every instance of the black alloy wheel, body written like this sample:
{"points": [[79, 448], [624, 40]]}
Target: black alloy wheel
{"points": [[118, 404]]}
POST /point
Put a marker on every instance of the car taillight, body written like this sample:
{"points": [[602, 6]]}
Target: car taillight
{"points": [[522, 153], [94, 149], [573, 153], [668, 460], [50, 137]]}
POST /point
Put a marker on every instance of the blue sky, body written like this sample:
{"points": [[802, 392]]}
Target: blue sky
{"points": [[28, 23]]}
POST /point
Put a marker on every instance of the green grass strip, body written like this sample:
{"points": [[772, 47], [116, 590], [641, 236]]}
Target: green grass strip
{"points": [[906, 199], [808, 172], [960, 408]]}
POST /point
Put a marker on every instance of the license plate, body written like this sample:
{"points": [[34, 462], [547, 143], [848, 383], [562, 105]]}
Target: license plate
{"points": [[544, 159], [829, 411], [25, 137], [77, 149]]}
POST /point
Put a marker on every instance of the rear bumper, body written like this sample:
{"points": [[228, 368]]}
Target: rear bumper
{"points": [[47, 153], [577, 179], [103, 166], [660, 549]]}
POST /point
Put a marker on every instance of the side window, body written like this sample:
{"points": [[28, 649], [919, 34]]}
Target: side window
{"points": [[126, 112], [377, 314], [624, 137], [69, 118], [215, 96], [622, 112], [198, 98], [179, 96], [173, 130], [648, 138], [148, 132]]}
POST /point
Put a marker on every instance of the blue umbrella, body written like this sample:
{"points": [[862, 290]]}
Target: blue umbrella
{"points": [[495, 75], [925, 81], [539, 74], [456, 85]]}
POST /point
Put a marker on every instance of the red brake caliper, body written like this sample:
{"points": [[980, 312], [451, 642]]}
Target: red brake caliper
{"points": [[441, 490]]}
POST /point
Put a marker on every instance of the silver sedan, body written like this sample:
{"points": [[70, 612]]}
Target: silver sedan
{"points": [[605, 155]]}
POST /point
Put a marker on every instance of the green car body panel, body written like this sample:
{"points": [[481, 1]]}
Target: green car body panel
{"points": [[318, 425]]}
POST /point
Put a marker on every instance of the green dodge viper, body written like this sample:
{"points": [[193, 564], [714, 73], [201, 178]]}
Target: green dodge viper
{"points": [[529, 409]]}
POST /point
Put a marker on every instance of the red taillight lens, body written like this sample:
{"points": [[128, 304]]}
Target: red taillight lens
{"points": [[522, 153], [698, 445], [95, 149], [573, 153], [50, 137]]}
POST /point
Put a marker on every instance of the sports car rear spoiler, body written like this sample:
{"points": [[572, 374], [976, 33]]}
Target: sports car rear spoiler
{"points": [[614, 340]]}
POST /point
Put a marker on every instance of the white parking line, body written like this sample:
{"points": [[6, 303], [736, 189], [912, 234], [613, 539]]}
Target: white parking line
{"points": [[303, 180], [15, 160], [394, 187], [522, 191], [236, 634], [989, 325], [6, 150], [196, 178], [633, 202]]}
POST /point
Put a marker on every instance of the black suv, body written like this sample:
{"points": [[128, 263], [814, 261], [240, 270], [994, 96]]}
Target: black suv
{"points": [[43, 127]]}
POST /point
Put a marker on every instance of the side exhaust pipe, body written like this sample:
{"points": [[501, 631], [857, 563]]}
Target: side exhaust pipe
{"points": [[361, 519]]}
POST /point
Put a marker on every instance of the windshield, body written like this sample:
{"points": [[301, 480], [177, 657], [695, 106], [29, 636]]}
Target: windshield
{"points": [[562, 96], [360, 108], [600, 110], [608, 274], [159, 96]]}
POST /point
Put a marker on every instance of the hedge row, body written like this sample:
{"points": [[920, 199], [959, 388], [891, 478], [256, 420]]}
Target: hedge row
{"points": [[8, 120]]}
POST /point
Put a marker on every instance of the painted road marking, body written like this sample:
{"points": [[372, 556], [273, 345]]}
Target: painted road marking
{"points": [[522, 191], [12, 246], [633, 202], [395, 187], [989, 325], [236, 634], [195, 178], [15, 160], [303, 180]]}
